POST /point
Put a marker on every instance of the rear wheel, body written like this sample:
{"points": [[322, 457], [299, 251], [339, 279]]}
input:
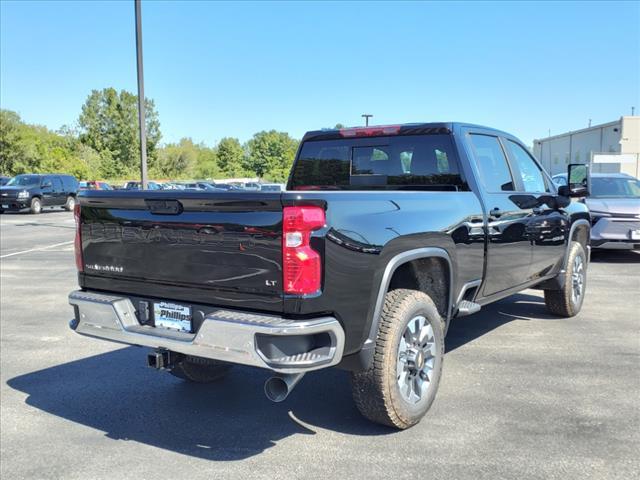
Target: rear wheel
{"points": [[70, 203], [401, 384], [200, 370], [36, 205], [567, 301]]}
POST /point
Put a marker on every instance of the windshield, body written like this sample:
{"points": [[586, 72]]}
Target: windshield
{"points": [[24, 181], [616, 187]]}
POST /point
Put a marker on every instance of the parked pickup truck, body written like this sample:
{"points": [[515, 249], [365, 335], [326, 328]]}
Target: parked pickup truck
{"points": [[383, 236]]}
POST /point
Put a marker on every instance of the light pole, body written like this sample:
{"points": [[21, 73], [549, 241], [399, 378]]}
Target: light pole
{"points": [[366, 117], [141, 113]]}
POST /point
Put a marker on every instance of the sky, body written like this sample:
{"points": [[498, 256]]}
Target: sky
{"points": [[232, 69]]}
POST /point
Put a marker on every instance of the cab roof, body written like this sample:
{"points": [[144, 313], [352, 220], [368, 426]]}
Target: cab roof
{"points": [[397, 129]]}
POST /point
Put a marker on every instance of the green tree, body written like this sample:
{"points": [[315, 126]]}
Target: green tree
{"points": [[109, 125], [176, 160], [271, 154], [35, 149], [207, 162], [12, 147], [185, 159], [230, 158]]}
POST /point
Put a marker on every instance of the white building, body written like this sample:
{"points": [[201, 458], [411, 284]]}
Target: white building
{"points": [[609, 147]]}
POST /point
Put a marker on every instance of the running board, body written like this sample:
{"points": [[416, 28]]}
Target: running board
{"points": [[466, 307]]}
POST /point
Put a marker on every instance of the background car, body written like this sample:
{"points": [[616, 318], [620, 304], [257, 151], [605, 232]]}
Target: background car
{"points": [[227, 187], [614, 204], [271, 187], [35, 192], [133, 185], [95, 185], [172, 186], [251, 187], [198, 186]]}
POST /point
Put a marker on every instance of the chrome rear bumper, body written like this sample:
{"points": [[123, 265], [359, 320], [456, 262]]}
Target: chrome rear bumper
{"points": [[267, 341]]}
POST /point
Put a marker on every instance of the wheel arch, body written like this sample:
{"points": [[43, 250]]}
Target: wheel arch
{"points": [[581, 232], [403, 271]]}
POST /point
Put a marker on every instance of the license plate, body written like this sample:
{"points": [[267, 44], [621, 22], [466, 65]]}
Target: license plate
{"points": [[634, 234], [172, 316]]}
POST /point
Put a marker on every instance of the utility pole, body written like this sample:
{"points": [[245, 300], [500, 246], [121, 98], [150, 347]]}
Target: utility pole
{"points": [[366, 117], [589, 123], [633, 111], [141, 113]]}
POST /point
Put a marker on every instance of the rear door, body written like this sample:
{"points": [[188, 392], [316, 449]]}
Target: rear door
{"points": [[220, 249], [509, 251]]}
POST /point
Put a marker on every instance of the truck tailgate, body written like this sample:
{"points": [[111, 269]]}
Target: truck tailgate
{"points": [[222, 248]]}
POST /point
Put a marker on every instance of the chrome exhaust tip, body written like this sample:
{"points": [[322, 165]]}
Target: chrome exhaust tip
{"points": [[278, 388]]}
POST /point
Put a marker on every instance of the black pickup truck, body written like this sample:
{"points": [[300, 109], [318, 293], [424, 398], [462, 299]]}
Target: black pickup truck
{"points": [[383, 236]]}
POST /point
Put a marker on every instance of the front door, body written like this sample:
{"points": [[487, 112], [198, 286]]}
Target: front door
{"points": [[509, 250], [58, 192], [48, 194], [549, 227]]}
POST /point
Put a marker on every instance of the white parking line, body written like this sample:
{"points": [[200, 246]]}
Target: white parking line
{"points": [[36, 249]]}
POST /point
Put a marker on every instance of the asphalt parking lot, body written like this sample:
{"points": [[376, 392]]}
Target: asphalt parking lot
{"points": [[524, 395]]}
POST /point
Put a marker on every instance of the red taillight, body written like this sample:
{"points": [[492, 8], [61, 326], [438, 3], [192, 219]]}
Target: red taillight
{"points": [[370, 131], [78, 240], [301, 265]]}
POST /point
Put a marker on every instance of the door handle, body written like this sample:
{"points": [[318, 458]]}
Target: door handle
{"points": [[495, 212]]}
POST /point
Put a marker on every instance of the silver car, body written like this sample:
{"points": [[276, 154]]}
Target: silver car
{"points": [[614, 203]]}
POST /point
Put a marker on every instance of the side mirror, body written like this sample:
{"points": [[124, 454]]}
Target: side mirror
{"points": [[579, 181], [47, 185]]}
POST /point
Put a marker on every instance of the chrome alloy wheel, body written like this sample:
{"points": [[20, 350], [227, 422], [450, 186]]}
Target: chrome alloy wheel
{"points": [[577, 279], [416, 359]]}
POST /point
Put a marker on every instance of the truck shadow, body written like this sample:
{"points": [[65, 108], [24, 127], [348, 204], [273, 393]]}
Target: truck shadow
{"points": [[115, 393], [230, 420], [521, 306]]}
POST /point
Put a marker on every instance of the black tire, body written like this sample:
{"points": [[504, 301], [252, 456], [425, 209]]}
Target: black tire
{"points": [[200, 370], [36, 206], [70, 203], [376, 391], [567, 301]]}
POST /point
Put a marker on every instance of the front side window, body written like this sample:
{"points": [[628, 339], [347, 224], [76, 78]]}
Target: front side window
{"points": [[492, 164], [47, 182], [530, 173]]}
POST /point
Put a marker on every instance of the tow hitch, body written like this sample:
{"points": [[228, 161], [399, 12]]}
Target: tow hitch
{"points": [[161, 359]]}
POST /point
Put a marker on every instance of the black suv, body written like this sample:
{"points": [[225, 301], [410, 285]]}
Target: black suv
{"points": [[33, 192]]}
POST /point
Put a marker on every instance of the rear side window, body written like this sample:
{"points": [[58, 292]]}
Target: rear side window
{"points": [[70, 183], [410, 162], [492, 163], [57, 184]]}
